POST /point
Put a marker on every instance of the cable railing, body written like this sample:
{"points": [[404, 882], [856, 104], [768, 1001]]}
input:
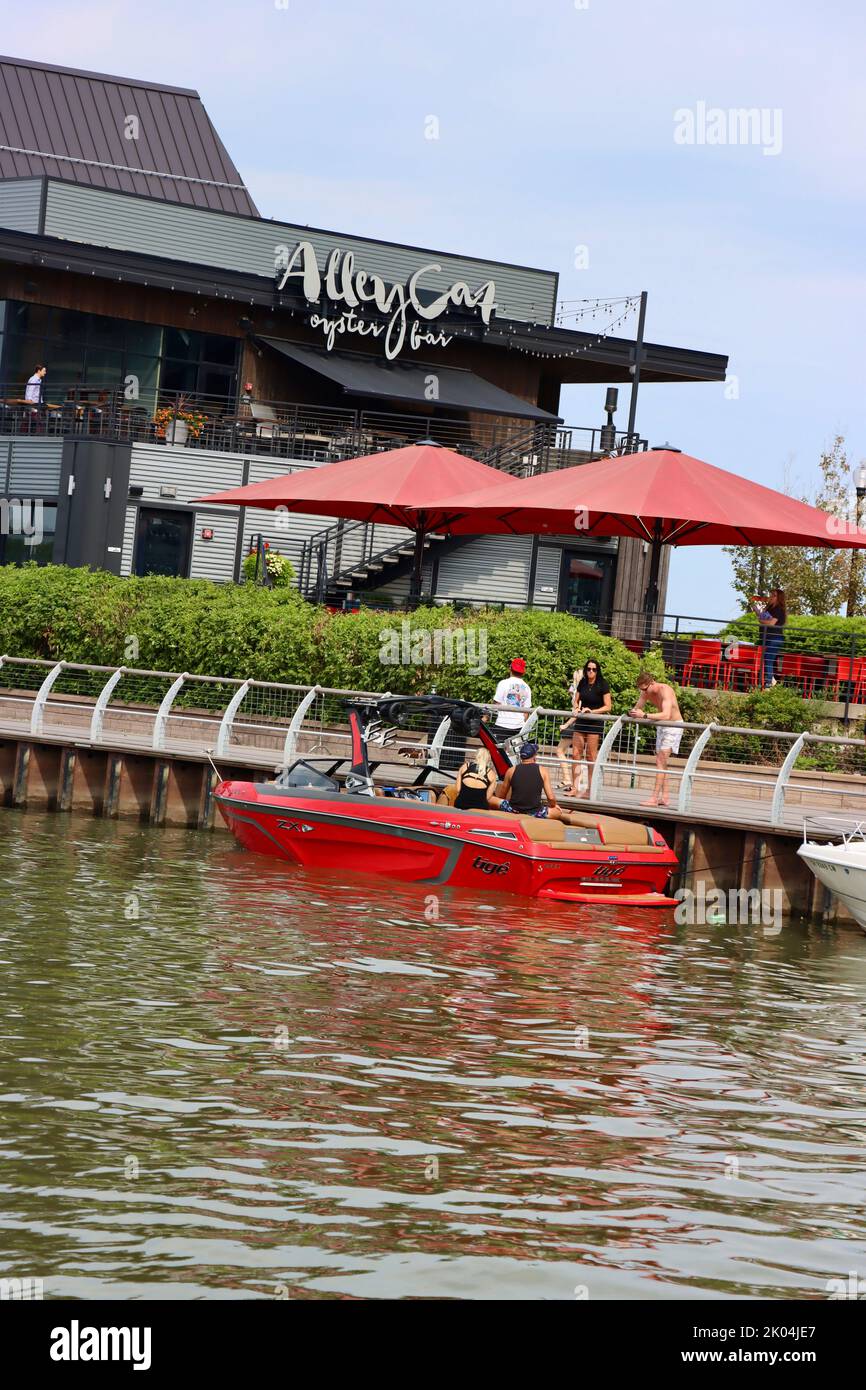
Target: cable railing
{"points": [[289, 429], [755, 777]]}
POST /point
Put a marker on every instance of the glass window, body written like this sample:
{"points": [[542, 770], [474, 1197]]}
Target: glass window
{"points": [[2, 314], [178, 376], [34, 319], [22, 357], [216, 348], [144, 339], [103, 367], [146, 369], [105, 332], [27, 533], [216, 381], [70, 325], [183, 343]]}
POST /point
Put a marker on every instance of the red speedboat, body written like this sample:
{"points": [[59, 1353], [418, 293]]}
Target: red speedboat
{"points": [[329, 813]]}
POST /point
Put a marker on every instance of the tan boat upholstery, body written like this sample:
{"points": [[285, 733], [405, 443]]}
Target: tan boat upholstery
{"points": [[613, 831]]}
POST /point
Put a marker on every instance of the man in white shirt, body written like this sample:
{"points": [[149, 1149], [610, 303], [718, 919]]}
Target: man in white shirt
{"points": [[513, 696], [33, 389]]}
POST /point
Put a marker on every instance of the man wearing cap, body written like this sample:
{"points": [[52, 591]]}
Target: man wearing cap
{"points": [[525, 786], [512, 697]]}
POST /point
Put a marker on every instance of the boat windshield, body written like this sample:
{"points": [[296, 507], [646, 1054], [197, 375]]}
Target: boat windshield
{"points": [[302, 774]]}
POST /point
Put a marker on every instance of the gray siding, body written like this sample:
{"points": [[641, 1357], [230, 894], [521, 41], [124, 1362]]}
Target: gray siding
{"points": [[193, 472], [100, 218], [30, 467], [492, 569], [20, 202], [215, 559]]}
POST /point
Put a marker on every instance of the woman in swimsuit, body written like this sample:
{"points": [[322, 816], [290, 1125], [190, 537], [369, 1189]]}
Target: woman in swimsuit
{"points": [[474, 782]]}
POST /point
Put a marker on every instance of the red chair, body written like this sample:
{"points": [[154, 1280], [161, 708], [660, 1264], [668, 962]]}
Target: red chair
{"points": [[706, 656], [851, 671], [746, 661], [813, 670], [790, 667]]}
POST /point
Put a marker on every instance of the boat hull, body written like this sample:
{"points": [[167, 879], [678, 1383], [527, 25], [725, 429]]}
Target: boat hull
{"points": [[842, 869], [436, 845]]}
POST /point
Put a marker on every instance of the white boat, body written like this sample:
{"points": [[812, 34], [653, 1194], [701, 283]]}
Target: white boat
{"points": [[841, 867]]}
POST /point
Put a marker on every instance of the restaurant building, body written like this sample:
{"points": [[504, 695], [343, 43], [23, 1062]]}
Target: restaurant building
{"points": [[192, 345]]}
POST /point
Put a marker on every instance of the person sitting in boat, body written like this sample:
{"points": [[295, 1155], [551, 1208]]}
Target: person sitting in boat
{"points": [[525, 788], [475, 781]]}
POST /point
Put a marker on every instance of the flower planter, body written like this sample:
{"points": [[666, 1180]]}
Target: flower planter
{"points": [[176, 432]]}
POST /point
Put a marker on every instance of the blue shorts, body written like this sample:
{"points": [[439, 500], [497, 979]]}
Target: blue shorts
{"points": [[540, 814]]}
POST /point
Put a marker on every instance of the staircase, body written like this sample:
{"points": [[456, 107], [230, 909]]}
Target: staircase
{"points": [[351, 555]]}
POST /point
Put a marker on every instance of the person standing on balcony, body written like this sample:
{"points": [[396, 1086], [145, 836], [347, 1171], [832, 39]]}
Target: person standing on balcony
{"points": [[512, 697], [33, 389], [772, 618]]}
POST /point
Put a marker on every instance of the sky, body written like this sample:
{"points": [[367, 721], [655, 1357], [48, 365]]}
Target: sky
{"points": [[561, 145]]}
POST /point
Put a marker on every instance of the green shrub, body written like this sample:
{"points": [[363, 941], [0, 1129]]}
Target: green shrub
{"points": [[280, 569]]}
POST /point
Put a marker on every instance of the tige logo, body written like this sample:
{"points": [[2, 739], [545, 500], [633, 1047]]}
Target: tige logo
{"points": [[609, 871], [487, 867]]}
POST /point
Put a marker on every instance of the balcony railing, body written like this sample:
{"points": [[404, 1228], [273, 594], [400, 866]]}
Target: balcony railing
{"points": [[291, 429]]}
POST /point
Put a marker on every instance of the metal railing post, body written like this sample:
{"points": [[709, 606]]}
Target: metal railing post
{"points": [[846, 718], [602, 758], [297, 720], [101, 705], [41, 699], [164, 711], [225, 729], [685, 795], [778, 805]]}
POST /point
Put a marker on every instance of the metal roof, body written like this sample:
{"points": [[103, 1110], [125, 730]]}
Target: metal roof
{"points": [[75, 126]]}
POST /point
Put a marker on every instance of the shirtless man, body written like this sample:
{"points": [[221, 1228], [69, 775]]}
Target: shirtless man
{"points": [[668, 738]]}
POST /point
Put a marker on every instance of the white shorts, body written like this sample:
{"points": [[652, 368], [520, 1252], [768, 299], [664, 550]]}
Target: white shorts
{"points": [[669, 738]]}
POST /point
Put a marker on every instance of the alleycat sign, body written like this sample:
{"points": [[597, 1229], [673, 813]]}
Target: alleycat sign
{"points": [[404, 315]]}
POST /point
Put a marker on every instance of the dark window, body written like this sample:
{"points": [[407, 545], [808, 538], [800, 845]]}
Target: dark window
{"points": [[585, 584], [216, 381], [182, 342], [162, 542], [27, 532], [218, 349], [178, 376]]}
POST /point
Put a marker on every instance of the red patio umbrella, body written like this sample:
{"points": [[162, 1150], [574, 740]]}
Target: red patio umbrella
{"points": [[418, 486], [661, 496]]}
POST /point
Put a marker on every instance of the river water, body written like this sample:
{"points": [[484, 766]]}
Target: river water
{"points": [[221, 1078]]}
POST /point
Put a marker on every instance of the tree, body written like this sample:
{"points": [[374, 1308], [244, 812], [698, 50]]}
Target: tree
{"points": [[814, 580]]}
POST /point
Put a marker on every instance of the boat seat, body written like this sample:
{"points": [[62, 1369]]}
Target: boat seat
{"points": [[614, 832]]}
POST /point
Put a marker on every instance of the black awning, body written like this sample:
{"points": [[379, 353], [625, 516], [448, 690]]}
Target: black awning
{"points": [[409, 381]]}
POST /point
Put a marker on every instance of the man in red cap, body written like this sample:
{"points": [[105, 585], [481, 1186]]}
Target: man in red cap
{"points": [[512, 697]]}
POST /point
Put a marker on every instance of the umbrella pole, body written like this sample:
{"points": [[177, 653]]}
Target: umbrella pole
{"points": [[651, 599], [417, 568]]}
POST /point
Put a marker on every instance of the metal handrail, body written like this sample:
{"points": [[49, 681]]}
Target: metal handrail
{"points": [[294, 708], [289, 429]]}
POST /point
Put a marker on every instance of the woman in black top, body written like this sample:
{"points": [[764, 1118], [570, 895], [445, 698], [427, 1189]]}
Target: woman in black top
{"points": [[592, 699], [772, 620], [475, 781]]}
